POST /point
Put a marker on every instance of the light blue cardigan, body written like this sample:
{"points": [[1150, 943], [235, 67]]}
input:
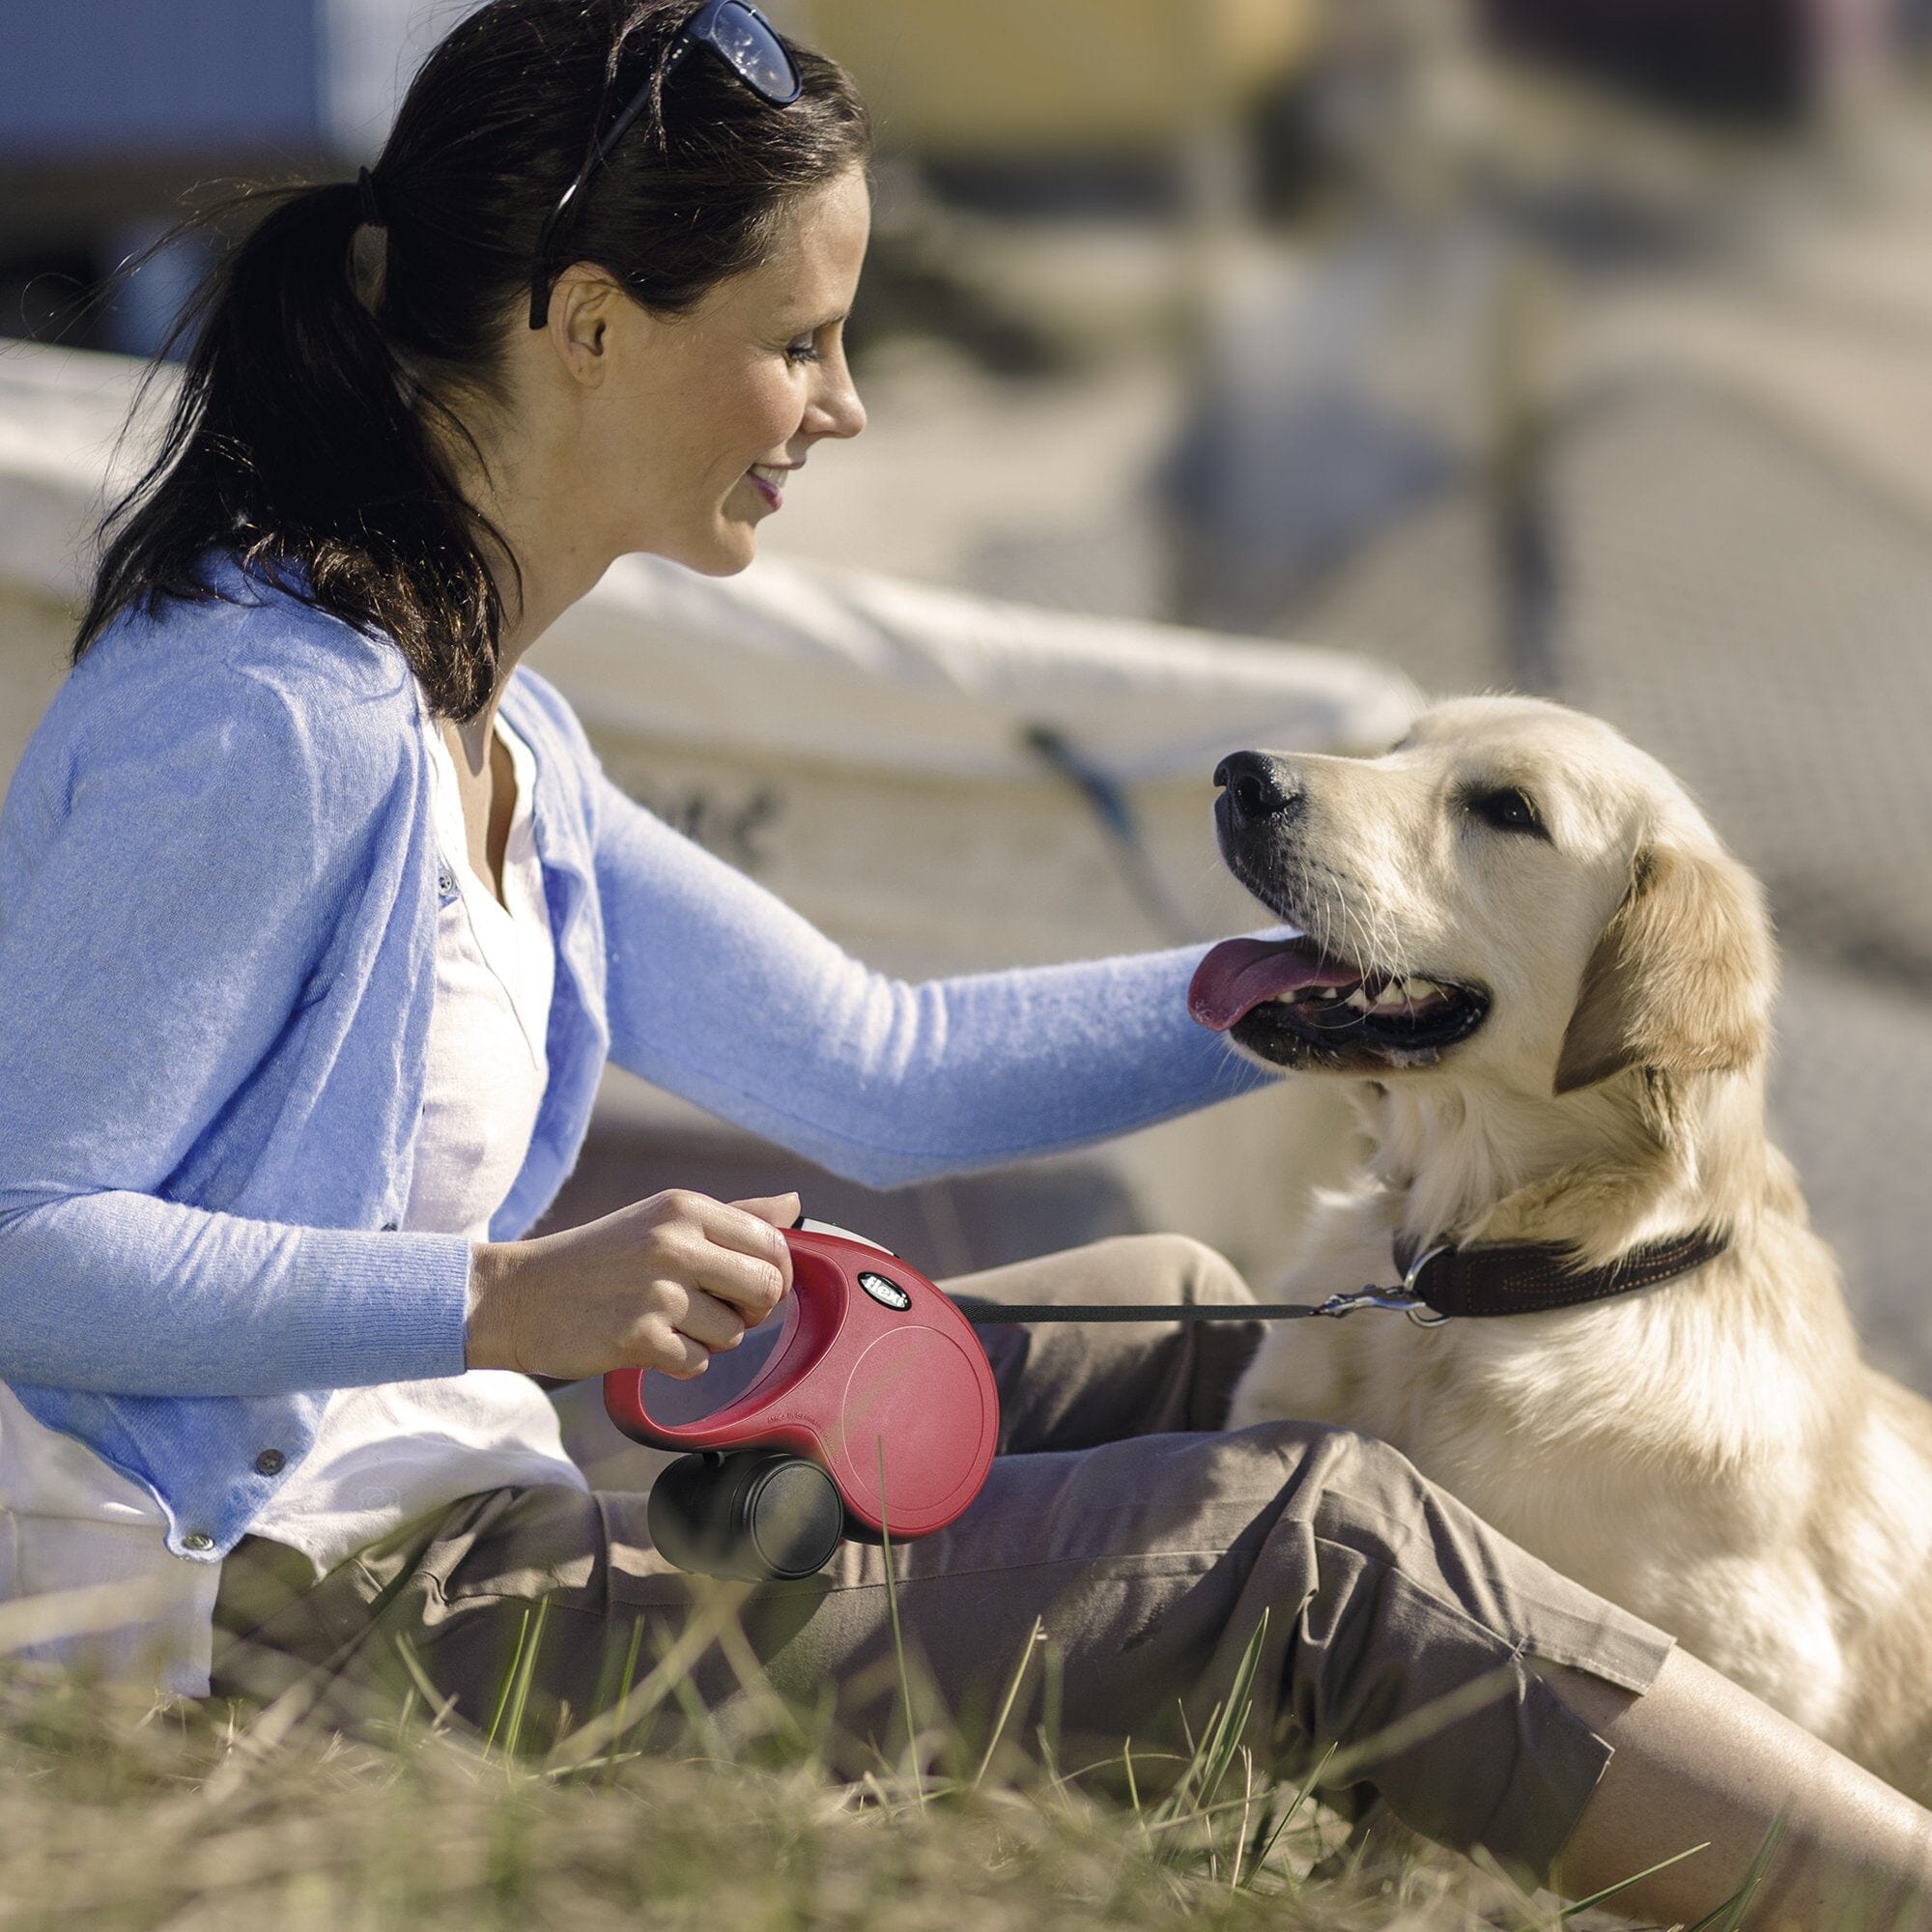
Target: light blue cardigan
{"points": [[218, 896]]}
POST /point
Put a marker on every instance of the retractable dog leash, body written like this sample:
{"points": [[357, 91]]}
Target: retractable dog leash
{"points": [[876, 1413]]}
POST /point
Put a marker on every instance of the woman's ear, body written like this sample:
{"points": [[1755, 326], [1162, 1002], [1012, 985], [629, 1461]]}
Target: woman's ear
{"points": [[1682, 978], [580, 305]]}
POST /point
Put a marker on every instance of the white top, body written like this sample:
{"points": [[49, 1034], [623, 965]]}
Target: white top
{"points": [[384, 1455], [389, 1454]]}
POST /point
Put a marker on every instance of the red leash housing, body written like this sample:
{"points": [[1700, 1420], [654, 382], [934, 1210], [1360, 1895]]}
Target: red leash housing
{"points": [[874, 1359]]}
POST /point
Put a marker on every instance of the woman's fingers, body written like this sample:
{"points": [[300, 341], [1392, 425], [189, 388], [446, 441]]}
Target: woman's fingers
{"points": [[677, 1356], [750, 1263], [711, 1323], [661, 1284], [752, 1288], [781, 1211]]}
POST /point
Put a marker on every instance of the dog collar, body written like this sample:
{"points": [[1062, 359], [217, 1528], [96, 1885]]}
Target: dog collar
{"points": [[1528, 1278]]}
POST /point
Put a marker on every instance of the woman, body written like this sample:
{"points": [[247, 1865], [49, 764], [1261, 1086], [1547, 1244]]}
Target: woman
{"points": [[320, 921]]}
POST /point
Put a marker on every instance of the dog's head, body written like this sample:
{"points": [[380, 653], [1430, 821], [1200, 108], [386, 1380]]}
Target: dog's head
{"points": [[1515, 892]]}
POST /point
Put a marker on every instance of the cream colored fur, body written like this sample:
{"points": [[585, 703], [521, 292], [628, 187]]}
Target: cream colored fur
{"points": [[1712, 1453]]}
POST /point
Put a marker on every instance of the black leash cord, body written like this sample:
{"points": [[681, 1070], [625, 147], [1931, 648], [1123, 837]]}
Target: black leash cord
{"points": [[983, 1313]]}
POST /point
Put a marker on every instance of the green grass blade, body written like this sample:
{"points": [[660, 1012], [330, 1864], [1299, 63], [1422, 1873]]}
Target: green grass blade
{"points": [[1226, 1740], [678, 1683], [1301, 1797], [1052, 1705], [438, 1706], [1247, 1801], [628, 1681], [527, 1670], [1034, 1638], [1635, 1878], [1193, 1794], [506, 1689], [1727, 1917], [674, 1656], [898, 1640]]}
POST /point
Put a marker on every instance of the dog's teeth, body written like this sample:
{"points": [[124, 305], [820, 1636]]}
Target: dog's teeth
{"points": [[1360, 1000], [1392, 995]]}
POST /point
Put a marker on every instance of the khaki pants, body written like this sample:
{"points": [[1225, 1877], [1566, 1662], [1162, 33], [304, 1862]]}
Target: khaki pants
{"points": [[1146, 1543]]}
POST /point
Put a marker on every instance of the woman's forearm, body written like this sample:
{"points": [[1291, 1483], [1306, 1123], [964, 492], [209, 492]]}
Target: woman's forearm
{"points": [[722, 994], [897, 1083], [130, 1294]]}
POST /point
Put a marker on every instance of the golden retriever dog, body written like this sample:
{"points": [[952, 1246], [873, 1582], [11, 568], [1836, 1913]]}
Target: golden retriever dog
{"points": [[1549, 988]]}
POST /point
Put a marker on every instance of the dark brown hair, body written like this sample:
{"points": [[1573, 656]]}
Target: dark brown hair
{"points": [[302, 428]]}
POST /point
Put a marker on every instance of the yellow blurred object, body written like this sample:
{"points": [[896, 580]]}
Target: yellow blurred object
{"points": [[1006, 75]]}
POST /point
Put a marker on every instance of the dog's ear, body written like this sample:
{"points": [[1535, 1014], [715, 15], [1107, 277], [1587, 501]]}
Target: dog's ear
{"points": [[1681, 978]]}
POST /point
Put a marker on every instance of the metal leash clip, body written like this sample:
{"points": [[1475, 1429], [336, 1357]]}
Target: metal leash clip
{"points": [[1367, 1297], [1398, 1300]]}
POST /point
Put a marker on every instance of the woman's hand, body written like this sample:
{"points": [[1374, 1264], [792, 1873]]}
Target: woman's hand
{"points": [[658, 1285]]}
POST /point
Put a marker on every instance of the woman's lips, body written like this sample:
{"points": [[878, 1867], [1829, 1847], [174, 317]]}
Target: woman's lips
{"points": [[767, 490]]}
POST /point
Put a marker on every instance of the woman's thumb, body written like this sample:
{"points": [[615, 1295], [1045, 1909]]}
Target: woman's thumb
{"points": [[782, 1210]]}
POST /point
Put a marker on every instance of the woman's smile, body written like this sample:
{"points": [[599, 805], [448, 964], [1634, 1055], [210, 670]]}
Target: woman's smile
{"points": [[768, 479]]}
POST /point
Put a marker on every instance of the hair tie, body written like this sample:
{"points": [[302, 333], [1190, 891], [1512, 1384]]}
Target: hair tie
{"points": [[372, 209]]}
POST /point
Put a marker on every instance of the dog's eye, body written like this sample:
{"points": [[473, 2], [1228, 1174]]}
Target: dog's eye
{"points": [[1507, 811]]}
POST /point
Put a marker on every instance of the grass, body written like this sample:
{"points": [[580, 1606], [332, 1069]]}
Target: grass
{"points": [[116, 1814], [124, 1815]]}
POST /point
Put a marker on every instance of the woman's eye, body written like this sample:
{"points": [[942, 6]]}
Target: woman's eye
{"points": [[1508, 811], [802, 352]]}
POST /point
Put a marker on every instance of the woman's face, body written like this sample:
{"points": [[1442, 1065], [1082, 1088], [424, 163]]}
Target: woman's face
{"points": [[703, 419]]}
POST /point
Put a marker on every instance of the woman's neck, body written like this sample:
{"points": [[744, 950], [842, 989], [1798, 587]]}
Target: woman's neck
{"points": [[523, 485]]}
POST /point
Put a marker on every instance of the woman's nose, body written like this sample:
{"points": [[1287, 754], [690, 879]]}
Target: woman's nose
{"points": [[837, 410]]}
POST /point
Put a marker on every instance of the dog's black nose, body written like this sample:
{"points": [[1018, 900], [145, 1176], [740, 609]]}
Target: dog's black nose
{"points": [[1258, 786]]}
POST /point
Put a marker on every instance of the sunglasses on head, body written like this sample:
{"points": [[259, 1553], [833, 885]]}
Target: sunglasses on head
{"points": [[744, 40]]}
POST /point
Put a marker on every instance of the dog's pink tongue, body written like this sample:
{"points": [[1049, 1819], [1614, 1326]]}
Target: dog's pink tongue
{"points": [[1240, 974]]}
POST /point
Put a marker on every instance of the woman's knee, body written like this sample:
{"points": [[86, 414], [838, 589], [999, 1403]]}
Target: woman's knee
{"points": [[1353, 1489], [1175, 1267]]}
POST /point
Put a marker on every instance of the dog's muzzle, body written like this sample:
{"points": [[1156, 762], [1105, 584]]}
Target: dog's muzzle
{"points": [[1290, 1002]]}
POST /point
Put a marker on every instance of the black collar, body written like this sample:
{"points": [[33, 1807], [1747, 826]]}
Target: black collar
{"points": [[1525, 1278]]}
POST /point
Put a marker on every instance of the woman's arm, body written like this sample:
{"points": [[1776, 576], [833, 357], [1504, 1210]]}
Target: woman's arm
{"points": [[719, 992], [174, 858]]}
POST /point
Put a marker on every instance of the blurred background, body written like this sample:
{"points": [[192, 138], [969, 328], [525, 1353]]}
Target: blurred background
{"points": [[1576, 346]]}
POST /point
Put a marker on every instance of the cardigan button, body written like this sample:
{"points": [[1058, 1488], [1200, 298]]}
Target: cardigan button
{"points": [[271, 1463], [197, 1539]]}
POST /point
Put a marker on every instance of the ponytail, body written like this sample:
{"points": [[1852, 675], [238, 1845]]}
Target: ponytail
{"points": [[317, 411], [292, 439]]}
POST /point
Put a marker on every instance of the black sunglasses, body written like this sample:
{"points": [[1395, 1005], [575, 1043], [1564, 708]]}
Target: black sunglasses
{"points": [[744, 40]]}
